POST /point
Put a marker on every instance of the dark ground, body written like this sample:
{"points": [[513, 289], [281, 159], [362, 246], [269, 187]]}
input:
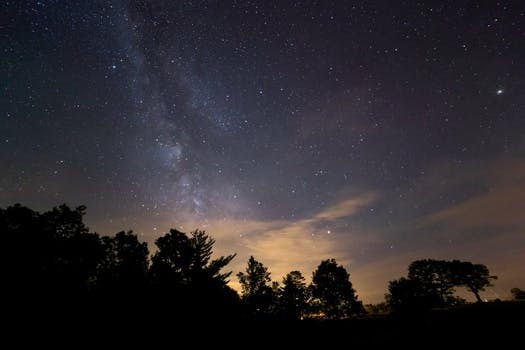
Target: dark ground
{"points": [[471, 326], [495, 325]]}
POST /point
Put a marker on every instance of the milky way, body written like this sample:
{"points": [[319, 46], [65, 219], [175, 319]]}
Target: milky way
{"points": [[370, 131]]}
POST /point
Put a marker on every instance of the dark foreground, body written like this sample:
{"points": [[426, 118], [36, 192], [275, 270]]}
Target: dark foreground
{"points": [[484, 325]]}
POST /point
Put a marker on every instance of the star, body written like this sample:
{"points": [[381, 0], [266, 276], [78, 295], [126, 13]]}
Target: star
{"points": [[499, 92]]}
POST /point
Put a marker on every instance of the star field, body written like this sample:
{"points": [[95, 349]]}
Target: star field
{"points": [[367, 131]]}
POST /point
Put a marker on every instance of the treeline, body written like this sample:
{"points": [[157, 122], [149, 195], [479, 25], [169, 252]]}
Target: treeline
{"points": [[431, 284], [52, 260]]}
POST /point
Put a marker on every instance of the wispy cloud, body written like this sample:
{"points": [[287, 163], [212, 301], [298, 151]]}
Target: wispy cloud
{"points": [[488, 227], [346, 207], [485, 226], [500, 206], [286, 245]]}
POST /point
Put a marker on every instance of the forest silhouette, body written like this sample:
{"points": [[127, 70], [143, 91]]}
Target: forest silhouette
{"points": [[56, 268]]}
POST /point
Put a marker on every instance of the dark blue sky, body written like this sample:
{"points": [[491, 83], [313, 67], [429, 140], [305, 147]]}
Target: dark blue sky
{"points": [[374, 132]]}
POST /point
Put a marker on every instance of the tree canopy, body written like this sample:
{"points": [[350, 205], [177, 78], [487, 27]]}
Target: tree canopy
{"points": [[183, 268], [125, 263], [257, 292], [432, 283], [518, 294], [185, 260], [293, 296], [57, 260], [332, 291], [474, 277]]}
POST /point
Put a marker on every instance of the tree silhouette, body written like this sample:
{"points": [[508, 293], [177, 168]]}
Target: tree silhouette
{"points": [[26, 258], [202, 270], [379, 308], [185, 277], [436, 280], [125, 264], [257, 291], [407, 296], [73, 253], [431, 284], [333, 292], [51, 264], [475, 277], [170, 264], [293, 296], [183, 260], [518, 294]]}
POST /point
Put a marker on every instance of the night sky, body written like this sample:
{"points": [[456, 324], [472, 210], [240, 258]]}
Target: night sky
{"points": [[373, 132]]}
